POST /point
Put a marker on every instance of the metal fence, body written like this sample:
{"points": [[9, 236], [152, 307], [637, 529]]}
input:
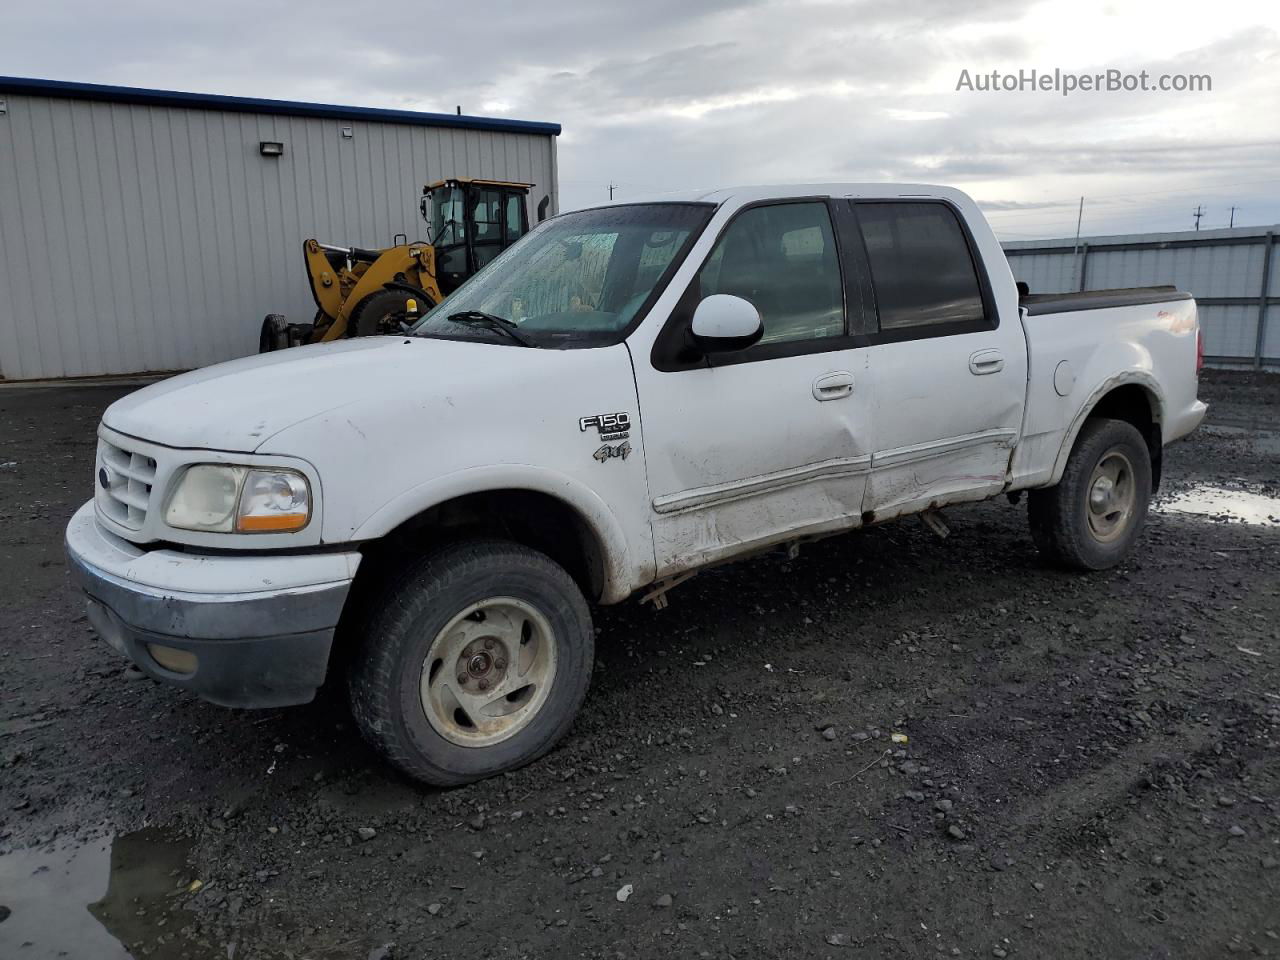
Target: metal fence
{"points": [[1232, 274]]}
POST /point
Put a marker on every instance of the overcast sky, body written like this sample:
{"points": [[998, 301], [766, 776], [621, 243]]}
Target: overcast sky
{"points": [[671, 94]]}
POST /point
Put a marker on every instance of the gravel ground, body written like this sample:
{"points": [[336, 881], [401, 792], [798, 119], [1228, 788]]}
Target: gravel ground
{"points": [[1092, 765]]}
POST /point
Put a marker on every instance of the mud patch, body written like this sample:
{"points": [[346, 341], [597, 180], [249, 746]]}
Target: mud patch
{"points": [[109, 898]]}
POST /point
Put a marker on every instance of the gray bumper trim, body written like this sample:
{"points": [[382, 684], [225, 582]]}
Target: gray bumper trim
{"points": [[214, 616], [252, 649]]}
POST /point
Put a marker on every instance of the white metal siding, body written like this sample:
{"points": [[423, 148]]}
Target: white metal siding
{"points": [[1229, 331], [1201, 264], [137, 238]]}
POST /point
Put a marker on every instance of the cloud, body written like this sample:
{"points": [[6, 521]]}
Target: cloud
{"points": [[671, 94]]}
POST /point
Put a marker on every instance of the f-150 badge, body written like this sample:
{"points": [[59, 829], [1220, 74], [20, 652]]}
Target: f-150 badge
{"points": [[607, 452], [612, 426]]}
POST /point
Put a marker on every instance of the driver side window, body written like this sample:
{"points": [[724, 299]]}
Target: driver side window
{"points": [[782, 258]]}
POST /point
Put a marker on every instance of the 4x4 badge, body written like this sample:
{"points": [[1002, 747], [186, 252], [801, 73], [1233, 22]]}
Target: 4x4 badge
{"points": [[607, 453]]}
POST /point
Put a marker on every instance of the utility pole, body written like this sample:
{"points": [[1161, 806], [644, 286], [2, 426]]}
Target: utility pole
{"points": [[1076, 246], [612, 187], [1233, 217], [1197, 213]]}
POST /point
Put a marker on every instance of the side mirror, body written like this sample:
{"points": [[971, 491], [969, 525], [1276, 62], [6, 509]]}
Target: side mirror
{"points": [[723, 322]]}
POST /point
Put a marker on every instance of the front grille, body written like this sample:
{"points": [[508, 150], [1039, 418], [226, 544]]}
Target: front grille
{"points": [[123, 483]]}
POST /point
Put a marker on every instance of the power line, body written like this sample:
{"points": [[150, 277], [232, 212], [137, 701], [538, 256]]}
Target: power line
{"points": [[1125, 196]]}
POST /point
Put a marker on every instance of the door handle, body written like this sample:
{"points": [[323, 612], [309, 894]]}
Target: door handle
{"points": [[983, 362], [833, 386]]}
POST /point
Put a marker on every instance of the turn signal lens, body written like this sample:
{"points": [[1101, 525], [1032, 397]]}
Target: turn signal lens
{"points": [[273, 501]]}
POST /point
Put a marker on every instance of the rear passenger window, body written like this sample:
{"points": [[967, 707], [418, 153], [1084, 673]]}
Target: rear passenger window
{"points": [[782, 257], [921, 267]]}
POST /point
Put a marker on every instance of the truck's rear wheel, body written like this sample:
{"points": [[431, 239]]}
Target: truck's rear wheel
{"points": [[1092, 518], [475, 661]]}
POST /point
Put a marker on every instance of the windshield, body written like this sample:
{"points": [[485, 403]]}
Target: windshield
{"points": [[580, 277], [446, 216]]}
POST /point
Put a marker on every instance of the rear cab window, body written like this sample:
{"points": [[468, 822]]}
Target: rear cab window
{"points": [[923, 271]]}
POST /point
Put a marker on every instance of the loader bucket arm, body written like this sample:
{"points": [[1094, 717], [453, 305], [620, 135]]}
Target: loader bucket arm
{"points": [[409, 266], [326, 289]]}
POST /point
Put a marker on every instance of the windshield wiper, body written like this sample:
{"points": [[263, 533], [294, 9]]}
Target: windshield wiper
{"points": [[492, 321]]}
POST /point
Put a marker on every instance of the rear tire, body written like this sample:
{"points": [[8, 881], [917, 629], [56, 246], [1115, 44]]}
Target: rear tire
{"points": [[1093, 517], [475, 661], [274, 334]]}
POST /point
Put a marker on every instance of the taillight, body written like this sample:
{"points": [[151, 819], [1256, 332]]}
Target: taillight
{"points": [[1199, 351]]}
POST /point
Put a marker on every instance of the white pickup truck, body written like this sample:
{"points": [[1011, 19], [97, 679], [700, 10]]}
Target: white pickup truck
{"points": [[628, 394]]}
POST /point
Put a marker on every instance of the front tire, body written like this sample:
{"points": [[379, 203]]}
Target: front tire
{"points": [[1093, 517], [381, 313], [475, 662]]}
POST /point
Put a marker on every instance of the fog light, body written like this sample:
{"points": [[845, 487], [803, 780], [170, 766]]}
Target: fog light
{"points": [[179, 661]]}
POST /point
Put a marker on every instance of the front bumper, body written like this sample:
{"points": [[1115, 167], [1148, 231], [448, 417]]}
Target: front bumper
{"points": [[259, 626]]}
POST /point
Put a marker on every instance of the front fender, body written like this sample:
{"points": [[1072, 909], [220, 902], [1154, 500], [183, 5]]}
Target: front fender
{"points": [[623, 573]]}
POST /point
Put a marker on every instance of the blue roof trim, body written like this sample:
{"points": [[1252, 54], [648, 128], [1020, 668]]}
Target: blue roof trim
{"points": [[213, 101]]}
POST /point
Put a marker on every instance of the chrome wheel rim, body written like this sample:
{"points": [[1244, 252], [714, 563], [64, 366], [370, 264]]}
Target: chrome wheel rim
{"points": [[488, 672], [1111, 495]]}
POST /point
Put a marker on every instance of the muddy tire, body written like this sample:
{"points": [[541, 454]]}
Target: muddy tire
{"points": [[1093, 517], [381, 313], [474, 661]]}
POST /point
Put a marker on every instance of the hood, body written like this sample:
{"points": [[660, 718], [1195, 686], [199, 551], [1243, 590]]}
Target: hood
{"points": [[237, 406]]}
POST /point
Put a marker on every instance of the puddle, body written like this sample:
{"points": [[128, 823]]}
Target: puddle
{"points": [[1222, 503], [100, 899]]}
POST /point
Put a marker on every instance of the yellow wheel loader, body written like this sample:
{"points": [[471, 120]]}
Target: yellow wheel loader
{"points": [[361, 292]]}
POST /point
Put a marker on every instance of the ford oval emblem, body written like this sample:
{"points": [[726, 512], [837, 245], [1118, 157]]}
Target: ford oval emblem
{"points": [[104, 478]]}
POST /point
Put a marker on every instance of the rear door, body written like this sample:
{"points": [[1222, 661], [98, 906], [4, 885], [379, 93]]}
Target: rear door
{"points": [[770, 443], [948, 377]]}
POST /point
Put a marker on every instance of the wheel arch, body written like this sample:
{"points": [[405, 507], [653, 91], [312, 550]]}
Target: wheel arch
{"points": [[549, 513], [1134, 397]]}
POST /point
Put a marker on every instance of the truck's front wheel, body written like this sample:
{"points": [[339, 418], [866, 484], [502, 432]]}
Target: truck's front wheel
{"points": [[475, 661], [1091, 519]]}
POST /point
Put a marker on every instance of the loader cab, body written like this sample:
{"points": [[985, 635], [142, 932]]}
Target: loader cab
{"points": [[472, 221]]}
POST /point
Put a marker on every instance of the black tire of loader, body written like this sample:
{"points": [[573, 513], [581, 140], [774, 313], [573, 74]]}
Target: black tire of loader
{"points": [[274, 334], [371, 317]]}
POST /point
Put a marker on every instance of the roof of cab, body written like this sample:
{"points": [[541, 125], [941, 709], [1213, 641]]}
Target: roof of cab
{"points": [[752, 193]]}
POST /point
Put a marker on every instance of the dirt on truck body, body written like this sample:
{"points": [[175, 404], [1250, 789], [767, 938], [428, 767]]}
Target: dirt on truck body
{"points": [[1090, 766]]}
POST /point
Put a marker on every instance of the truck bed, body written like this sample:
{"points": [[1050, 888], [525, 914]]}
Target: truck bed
{"points": [[1038, 304], [1041, 303]]}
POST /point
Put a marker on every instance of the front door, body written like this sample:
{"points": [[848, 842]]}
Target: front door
{"points": [[770, 443]]}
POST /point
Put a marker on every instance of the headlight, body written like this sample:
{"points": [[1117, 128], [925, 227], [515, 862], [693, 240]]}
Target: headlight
{"points": [[219, 498]]}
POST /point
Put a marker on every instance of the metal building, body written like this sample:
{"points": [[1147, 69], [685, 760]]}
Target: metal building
{"points": [[1233, 274], [149, 230]]}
